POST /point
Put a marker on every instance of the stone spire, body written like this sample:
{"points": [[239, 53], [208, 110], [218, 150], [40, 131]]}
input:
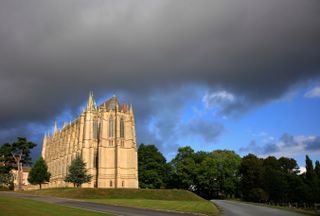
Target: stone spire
{"points": [[91, 102], [131, 109], [55, 129], [44, 144]]}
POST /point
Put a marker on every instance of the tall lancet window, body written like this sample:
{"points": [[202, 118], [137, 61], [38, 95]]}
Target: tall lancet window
{"points": [[121, 128], [122, 132], [95, 129], [111, 127], [111, 130]]}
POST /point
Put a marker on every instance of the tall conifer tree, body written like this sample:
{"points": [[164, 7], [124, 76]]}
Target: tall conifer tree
{"points": [[39, 173], [77, 172]]}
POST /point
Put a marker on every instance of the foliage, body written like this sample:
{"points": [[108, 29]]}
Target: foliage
{"points": [[277, 180], [21, 145], [312, 180], [77, 173], [39, 173], [183, 169], [217, 174], [6, 180], [153, 169], [257, 195], [317, 169], [251, 174]]}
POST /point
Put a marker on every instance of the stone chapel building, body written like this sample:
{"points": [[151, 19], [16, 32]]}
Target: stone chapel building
{"points": [[105, 137]]}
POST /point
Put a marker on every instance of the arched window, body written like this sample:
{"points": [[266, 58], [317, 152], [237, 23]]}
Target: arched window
{"points": [[121, 128], [95, 129], [122, 183], [111, 127], [110, 183]]}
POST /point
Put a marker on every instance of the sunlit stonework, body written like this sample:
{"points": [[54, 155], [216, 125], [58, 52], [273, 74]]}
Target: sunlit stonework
{"points": [[105, 137]]}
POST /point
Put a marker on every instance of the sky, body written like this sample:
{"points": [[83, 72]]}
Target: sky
{"points": [[242, 75]]}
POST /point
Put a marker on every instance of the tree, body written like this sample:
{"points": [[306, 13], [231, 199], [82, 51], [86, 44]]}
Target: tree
{"points": [[274, 180], [311, 180], [206, 180], [39, 173], [21, 145], [217, 174], [6, 180], [228, 171], [153, 169], [299, 191], [77, 173], [288, 165], [317, 169], [251, 176], [183, 169], [289, 170], [310, 173]]}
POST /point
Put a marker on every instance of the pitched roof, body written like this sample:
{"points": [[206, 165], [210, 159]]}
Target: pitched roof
{"points": [[111, 103]]}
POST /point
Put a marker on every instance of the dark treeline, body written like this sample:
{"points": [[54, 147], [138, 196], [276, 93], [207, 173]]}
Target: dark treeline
{"points": [[224, 174]]}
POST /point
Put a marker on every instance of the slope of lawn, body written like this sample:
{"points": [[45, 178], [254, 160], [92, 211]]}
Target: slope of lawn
{"points": [[11, 206], [202, 207], [162, 199]]}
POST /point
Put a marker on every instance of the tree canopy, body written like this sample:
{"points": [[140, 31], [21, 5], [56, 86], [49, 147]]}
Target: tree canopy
{"points": [[153, 169], [23, 146], [183, 169], [218, 174], [223, 173]]}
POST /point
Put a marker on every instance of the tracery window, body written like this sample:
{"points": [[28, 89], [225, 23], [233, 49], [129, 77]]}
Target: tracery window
{"points": [[95, 129], [121, 128], [111, 127]]}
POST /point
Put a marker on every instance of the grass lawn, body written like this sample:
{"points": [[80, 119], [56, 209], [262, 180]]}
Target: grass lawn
{"points": [[10, 206], [297, 210], [203, 207], [162, 199]]}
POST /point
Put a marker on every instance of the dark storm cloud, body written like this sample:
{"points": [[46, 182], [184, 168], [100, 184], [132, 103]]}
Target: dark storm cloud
{"points": [[53, 52]]}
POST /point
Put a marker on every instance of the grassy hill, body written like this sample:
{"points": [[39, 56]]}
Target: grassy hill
{"points": [[11, 206], [162, 199], [95, 193]]}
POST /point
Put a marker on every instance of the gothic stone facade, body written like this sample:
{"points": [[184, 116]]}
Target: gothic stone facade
{"points": [[105, 138]]}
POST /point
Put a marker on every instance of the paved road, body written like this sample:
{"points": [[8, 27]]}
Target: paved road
{"points": [[231, 208], [117, 210]]}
